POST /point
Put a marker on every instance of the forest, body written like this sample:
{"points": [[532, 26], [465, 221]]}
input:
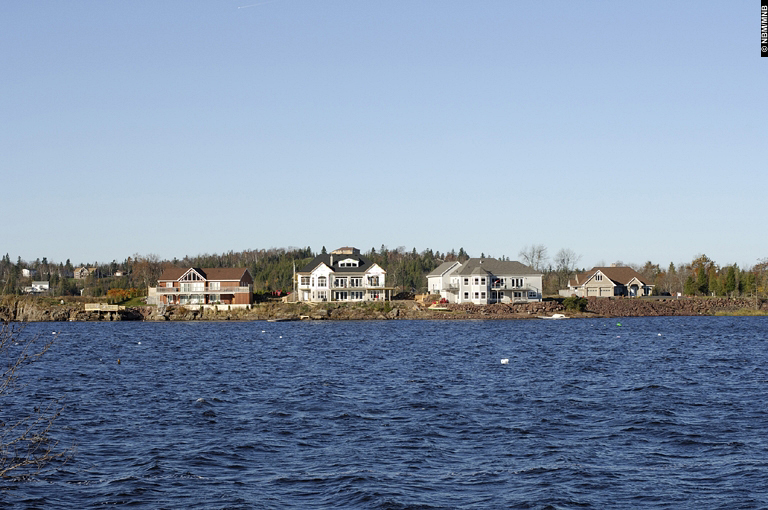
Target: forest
{"points": [[273, 271]]}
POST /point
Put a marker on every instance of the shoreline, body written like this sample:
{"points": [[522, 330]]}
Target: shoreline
{"points": [[35, 309]]}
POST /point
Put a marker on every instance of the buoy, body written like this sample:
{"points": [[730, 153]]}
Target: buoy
{"points": [[505, 361], [618, 323], [139, 343], [118, 361]]}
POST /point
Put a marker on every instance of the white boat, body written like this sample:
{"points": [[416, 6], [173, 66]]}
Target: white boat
{"points": [[554, 316]]}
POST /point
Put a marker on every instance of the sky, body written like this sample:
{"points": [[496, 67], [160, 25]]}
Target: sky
{"points": [[623, 131]]}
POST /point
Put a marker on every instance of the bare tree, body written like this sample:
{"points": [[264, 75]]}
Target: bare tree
{"points": [[565, 265], [26, 447], [534, 256]]}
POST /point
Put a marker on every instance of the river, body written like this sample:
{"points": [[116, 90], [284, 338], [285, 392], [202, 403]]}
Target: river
{"points": [[665, 412]]}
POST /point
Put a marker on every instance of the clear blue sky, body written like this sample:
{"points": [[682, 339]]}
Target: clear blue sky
{"points": [[626, 131]]}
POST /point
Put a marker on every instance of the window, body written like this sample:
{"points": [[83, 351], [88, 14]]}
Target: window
{"points": [[305, 280], [340, 282], [482, 295], [477, 295], [599, 277], [322, 296], [466, 281], [169, 284], [482, 281], [501, 296], [214, 298], [214, 286], [322, 281], [355, 282], [477, 281], [466, 295], [340, 295], [193, 287], [532, 294], [373, 281]]}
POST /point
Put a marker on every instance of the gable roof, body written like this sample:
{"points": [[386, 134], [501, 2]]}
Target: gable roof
{"points": [[332, 261], [496, 267], [209, 273], [443, 268], [621, 275]]}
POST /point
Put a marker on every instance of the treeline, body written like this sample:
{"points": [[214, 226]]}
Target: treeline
{"points": [[273, 270]]}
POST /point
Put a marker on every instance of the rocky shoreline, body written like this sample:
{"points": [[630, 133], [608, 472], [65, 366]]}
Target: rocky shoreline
{"points": [[30, 309]]}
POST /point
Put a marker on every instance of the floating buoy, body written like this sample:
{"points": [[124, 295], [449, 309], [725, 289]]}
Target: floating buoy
{"points": [[618, 323], [118, 361], [505, 361], [139, 343]]}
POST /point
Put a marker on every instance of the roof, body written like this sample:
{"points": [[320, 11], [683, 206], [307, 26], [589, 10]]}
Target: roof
{"points": [[364, 264], [442, 268], [621, 275], [209, 273], [496, 267]]}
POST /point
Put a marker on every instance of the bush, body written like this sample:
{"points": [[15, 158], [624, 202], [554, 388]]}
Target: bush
{"points": [[575, 304]]}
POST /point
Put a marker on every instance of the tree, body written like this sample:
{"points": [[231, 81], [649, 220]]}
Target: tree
{"points": [[534, 256], [26, 446], [565, 265]]}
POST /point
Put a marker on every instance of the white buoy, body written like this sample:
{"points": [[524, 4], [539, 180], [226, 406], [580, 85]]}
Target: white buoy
{"points": [[139, 343], [505, 361]]}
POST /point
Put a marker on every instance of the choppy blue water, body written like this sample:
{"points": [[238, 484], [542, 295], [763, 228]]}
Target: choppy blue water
{"points": [[654, 413]]}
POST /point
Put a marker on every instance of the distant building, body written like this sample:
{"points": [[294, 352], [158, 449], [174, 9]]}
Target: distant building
{"points": [[27, 273], [486, 280], [208, 287], [608, 282], [81, 273], [342, 275], [38, 288]]}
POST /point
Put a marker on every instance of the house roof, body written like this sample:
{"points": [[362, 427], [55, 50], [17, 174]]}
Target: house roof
{"points": [[495, 267], [209, 273], [332, 260], [442, 268], [621, 275]]}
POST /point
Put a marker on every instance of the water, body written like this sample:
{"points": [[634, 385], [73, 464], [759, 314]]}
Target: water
{"points": [[652, 413]]}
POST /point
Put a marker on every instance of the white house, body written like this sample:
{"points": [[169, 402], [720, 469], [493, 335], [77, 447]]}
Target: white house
{"points": [[443, 280], [37, 288], [342, 275], [485, 281]]}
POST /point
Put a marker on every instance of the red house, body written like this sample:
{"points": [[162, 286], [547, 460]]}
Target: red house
{"points": [[206, 286]]}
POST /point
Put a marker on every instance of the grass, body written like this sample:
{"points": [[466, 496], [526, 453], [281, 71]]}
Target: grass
{"points": [[741, 312]]}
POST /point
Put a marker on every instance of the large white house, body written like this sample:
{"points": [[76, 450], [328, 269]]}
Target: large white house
{"points": [[484, 281], [342, 275]]}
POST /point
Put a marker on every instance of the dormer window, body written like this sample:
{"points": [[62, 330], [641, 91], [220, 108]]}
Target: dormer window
{"points": [[349, 263]]}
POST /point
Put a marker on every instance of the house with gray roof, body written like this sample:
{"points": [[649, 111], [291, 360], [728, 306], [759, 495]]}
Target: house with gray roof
{"points": [[486, 280], [342, 275]]}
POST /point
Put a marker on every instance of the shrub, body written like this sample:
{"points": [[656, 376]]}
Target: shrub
{"points": [[575, 304]]}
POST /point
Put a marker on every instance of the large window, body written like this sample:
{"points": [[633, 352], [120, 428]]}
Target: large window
{"points": [[355, 282], [193, 287], [214, 286], [322, 281], [373, 281], [340, 282], [305, 280]]}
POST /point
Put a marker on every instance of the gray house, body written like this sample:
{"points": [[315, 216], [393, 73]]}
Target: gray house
{"points": [[486, 280]]}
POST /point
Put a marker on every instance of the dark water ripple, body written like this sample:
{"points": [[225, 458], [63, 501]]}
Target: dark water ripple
{"points": [[654, 413]]}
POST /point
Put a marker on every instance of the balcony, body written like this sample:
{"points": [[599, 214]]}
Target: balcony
{"points": [[222, 290], [508, 286]]}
